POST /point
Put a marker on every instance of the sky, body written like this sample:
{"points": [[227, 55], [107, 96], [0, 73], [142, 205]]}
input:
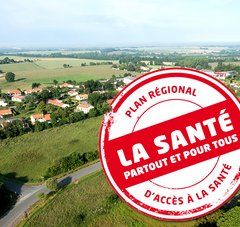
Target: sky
{"points": [[112, 23]]}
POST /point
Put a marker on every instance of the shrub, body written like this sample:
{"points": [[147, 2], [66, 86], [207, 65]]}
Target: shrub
{"points": [[52, 184], [70, 162], [10, 77]]}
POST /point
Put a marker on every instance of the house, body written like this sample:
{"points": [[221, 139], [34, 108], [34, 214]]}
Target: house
{"points": [[72, 93], [109, 102], [14, 92], [128, 79], [3, 103], [67, 85], [84, 107], [34, 90], [40, 118], [119, 88], [168, 63], [18, 98], [144, 68], [6, 113], [234, 86], [223, 75], [57, 103], [82, 97]]}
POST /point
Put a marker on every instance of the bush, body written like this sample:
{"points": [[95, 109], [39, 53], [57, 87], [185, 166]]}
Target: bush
{"points": [[70, 162], [10, 77], [52, 184], [79, 218]]}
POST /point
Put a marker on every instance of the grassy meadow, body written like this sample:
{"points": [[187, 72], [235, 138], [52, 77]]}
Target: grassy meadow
{"points": [[45, 70], [92, 203], [31, 154]]}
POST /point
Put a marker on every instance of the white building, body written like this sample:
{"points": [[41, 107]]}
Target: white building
{"points": [[128, 79], [40, 118], [82, 97], [223, 75], [18, 98], [84, 107], [72, 93], [58, 103], [144, 68], [3, 103]]}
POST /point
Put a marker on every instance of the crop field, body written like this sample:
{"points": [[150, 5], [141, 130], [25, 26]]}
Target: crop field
{"points": [[45, 70], [214, 64], [92, 203], [31, 154]]}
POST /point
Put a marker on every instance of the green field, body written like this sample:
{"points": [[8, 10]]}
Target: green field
{"points": [[89, 204], [31, 154], [45, 70]]}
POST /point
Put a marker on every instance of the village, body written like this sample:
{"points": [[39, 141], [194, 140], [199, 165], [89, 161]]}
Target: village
{"points": [[39, 108]]}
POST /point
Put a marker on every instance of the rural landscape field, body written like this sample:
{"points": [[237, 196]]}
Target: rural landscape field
{"points": [[45, 70], [47, 151], [62, 64]]}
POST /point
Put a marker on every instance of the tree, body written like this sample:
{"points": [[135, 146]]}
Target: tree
{"points": [[66, 66], [55, 82], [93, 113], [54, 119], [39, 126], [35, 85], [10, 76], [41, 107], [52, 184]]}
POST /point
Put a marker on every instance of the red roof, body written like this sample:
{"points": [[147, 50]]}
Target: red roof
{"points": [[5, 112], [109, 101], [55, 102], [84, 105], [47, 117], [14, 91]]}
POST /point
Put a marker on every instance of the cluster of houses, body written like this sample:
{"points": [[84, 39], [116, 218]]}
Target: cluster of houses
{"points": [[220, 75], [18, 96]]}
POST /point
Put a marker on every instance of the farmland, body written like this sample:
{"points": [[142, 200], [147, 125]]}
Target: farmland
{"points": [[92, 203], [31, 154], [45, 70]]}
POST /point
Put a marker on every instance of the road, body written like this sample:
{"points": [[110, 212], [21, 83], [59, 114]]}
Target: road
{"points": [[29, 194]]}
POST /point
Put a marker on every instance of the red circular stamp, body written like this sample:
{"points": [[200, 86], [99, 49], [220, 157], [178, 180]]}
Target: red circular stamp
{"points": [[170, 146]]}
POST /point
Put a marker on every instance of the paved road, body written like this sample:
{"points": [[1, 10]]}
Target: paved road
{"points": [[29, 194]]}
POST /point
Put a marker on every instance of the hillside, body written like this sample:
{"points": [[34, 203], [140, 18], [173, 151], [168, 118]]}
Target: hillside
{"points": [[31, 154], [92, 203]]}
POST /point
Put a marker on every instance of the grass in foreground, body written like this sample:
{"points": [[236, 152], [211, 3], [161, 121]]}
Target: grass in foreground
{"points": [[31, 154], [92, 203]]}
